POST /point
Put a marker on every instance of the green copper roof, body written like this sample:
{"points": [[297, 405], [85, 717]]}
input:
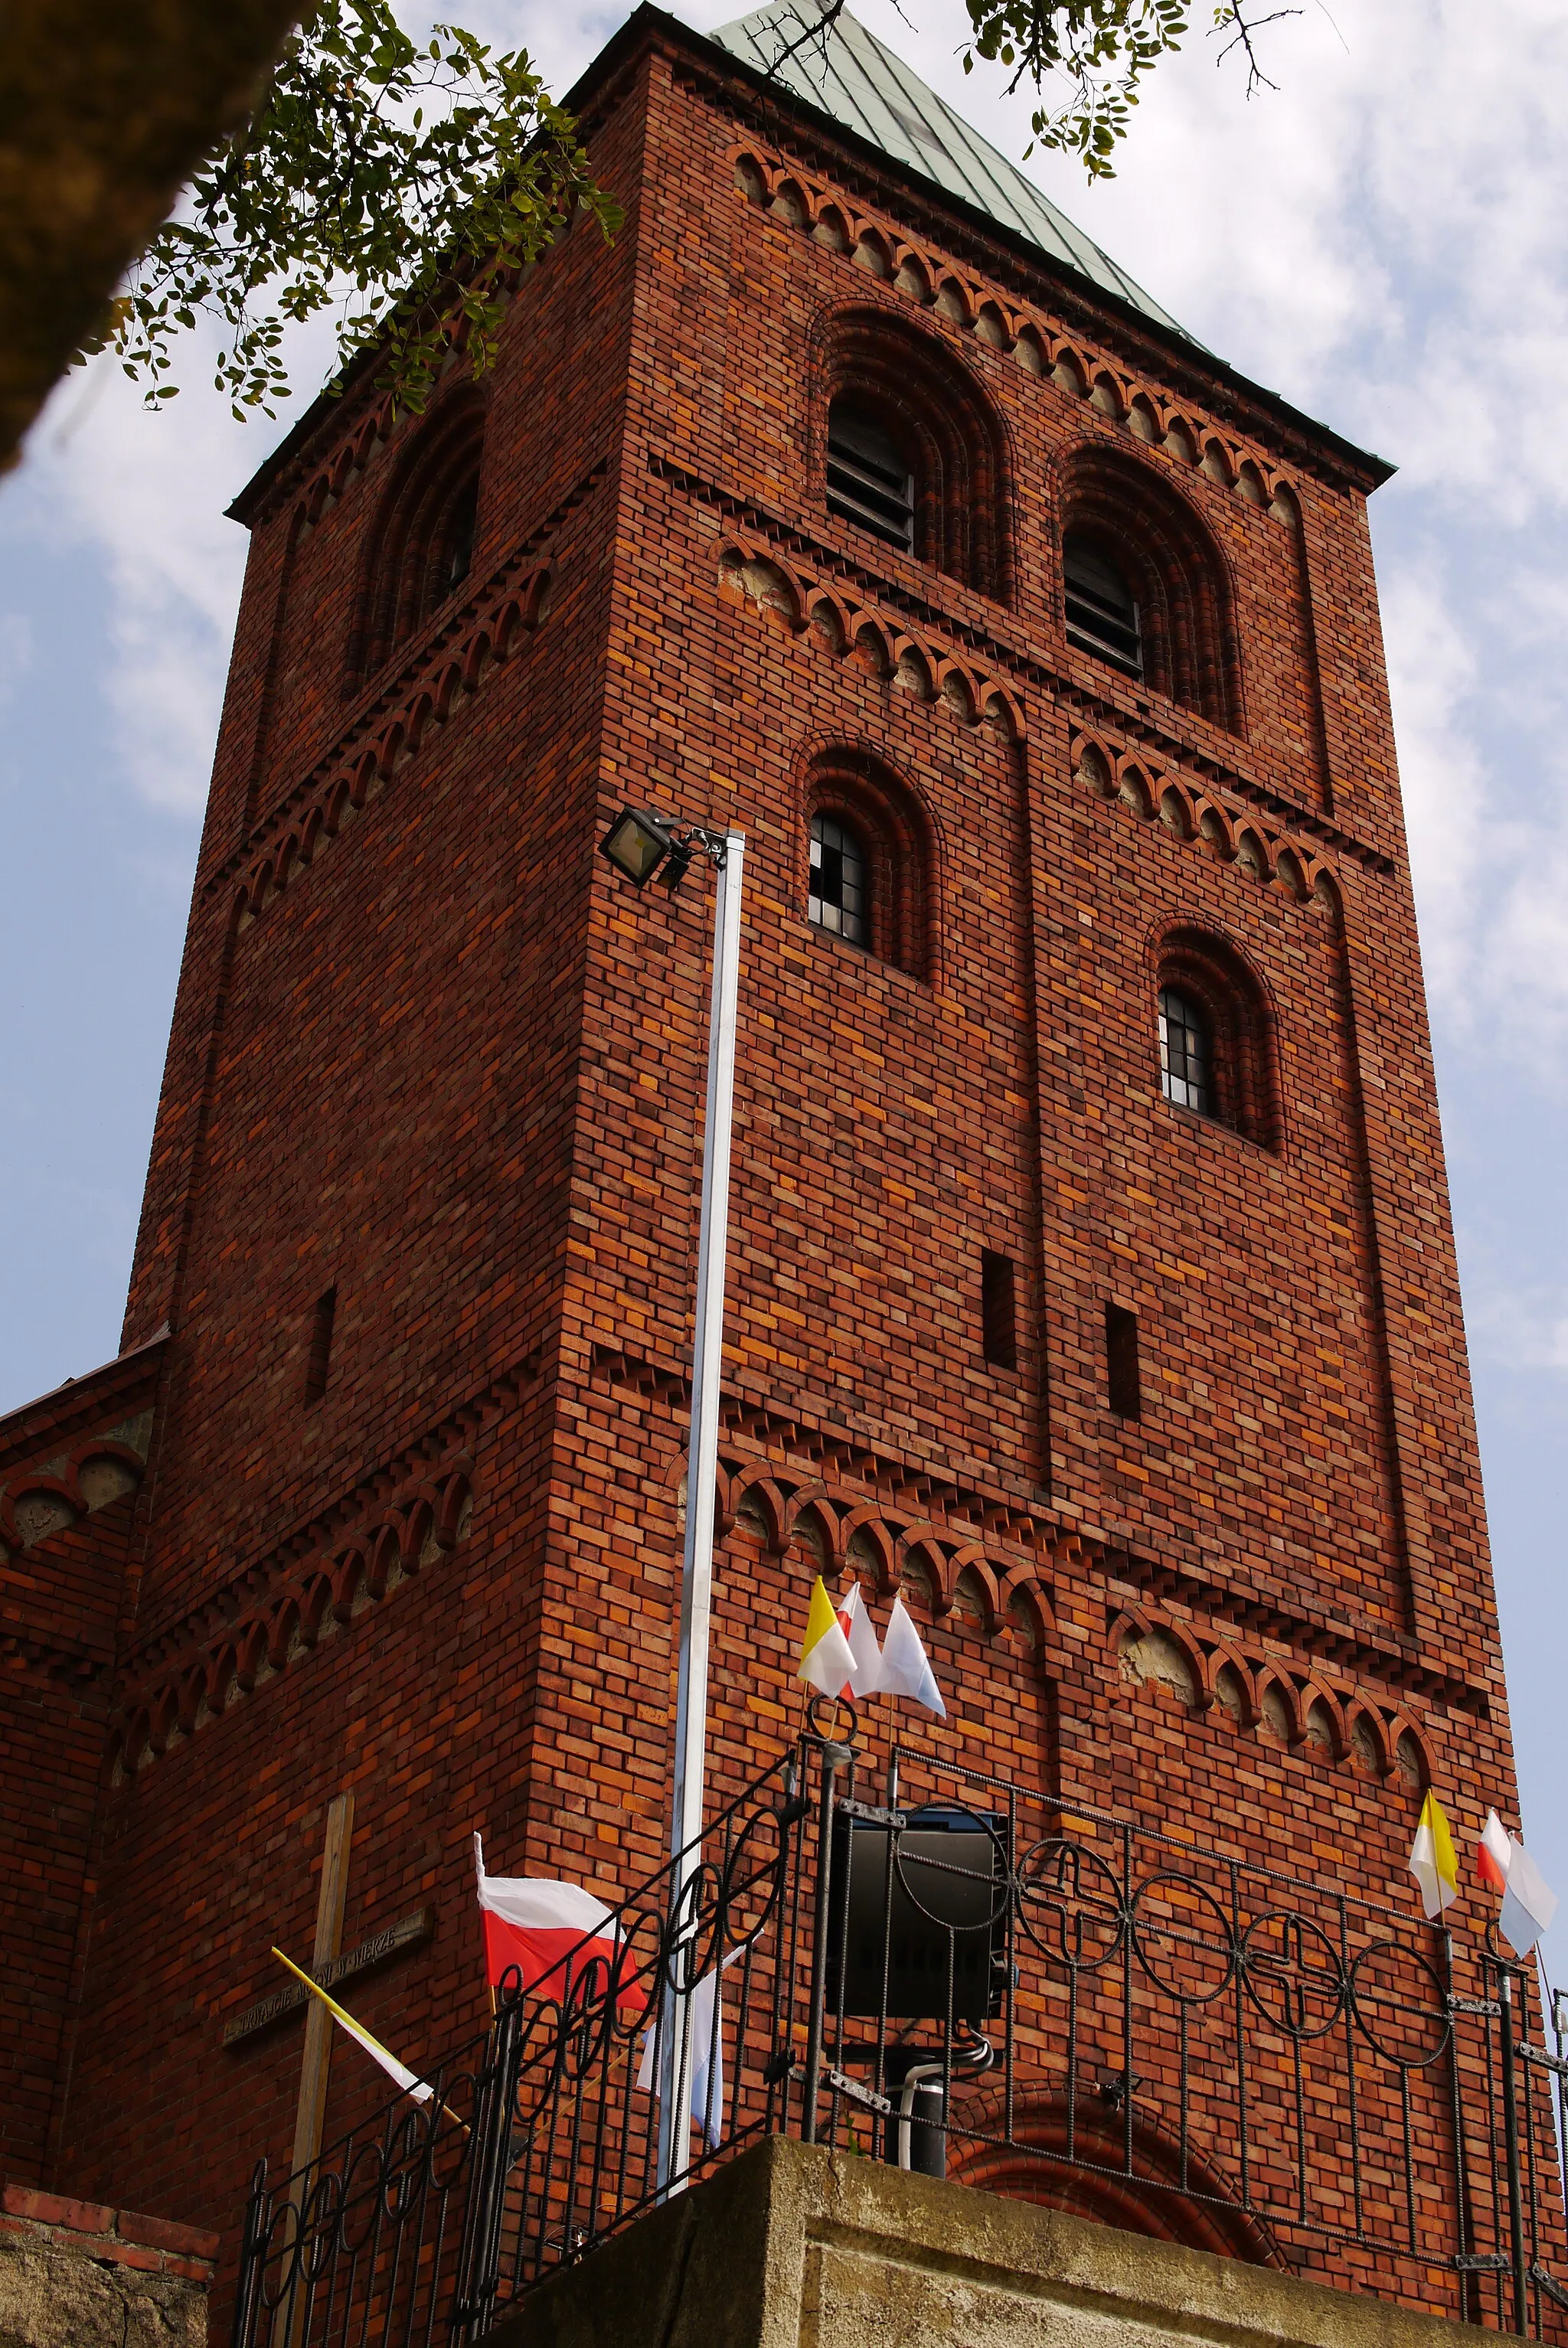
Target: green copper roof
{"points": [[845, 72]]}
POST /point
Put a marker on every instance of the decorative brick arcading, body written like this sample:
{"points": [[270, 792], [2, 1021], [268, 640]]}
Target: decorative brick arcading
{"points": [[321, 1600], [928, 280], [790, 598]]}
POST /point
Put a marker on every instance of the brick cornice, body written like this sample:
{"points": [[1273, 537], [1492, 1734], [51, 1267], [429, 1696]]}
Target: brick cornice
{"points": [[53, 1421], [1134, 720]]}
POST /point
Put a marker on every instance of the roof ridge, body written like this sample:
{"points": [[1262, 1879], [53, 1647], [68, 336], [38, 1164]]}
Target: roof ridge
{"points": [[854, 78]]}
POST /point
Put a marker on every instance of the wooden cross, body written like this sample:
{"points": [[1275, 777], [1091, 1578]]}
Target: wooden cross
{"points": [[318, 2025]]}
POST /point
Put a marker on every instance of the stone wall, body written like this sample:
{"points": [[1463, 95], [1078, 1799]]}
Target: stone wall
{"points": [[76, 2275]]}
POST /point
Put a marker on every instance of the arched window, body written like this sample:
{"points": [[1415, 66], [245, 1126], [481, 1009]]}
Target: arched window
{"points": [[423, 544], [1216, 1040], [837, 896], [1186, 1051], [911, 448], [1102, 608], [868, 861], [869, 481], [1145, 587]]}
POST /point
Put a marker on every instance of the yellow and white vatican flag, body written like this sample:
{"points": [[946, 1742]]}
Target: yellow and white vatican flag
{"points": [[827, 1660], [410, 2080], [1432, 1860]]}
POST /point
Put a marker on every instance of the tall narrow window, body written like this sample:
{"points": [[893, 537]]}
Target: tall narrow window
{"points": [[457, 551], [1124, 1387], [319, 1365], [837, 898], [1101, 609], [868, 480], [998, 1311], [1186, 1052]]}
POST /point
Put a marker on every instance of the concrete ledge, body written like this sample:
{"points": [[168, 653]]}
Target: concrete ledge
{"points": [[792, 2247]]}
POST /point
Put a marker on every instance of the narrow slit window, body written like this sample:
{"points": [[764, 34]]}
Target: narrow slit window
{"points": [[1186, 1052], [318, 1367], [459, 537], [836, 898], [1101, 609], [999, 1311], [868, 480], [1123, 1383]]}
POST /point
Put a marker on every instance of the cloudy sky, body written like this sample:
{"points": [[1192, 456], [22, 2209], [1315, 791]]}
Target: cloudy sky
{"points": [[1382, 241]]}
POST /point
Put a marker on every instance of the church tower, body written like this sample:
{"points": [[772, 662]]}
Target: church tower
{"points": [[1092, 1276]]}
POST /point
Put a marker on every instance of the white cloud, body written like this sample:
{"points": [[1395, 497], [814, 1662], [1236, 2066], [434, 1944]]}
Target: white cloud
{"points": [[144, 496]]}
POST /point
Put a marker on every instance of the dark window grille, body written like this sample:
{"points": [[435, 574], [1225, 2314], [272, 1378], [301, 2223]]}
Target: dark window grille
{"points": [[1123, 1383], [1102, 612], [868, 480], [837, 898], [998, 1311], [1186, 1052]]}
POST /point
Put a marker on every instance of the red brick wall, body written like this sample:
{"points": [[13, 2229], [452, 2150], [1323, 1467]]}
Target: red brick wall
{"points": [[70, 1466], [429, 1051]]}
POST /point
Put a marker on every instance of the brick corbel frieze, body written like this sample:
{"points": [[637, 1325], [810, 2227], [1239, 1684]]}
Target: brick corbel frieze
{"points": [[780, 1469], [398, 1521], [64, 1460]]}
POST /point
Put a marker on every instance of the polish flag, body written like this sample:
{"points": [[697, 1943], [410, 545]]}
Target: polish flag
{"points": [[865, 1655], [551, 1932], [1494, 1852]]}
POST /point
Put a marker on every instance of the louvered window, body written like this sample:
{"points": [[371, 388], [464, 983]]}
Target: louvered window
{"points": [[1102, 612], [868, 480]]}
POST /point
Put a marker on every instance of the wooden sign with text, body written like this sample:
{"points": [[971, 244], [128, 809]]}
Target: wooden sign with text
{"points": [[407, 1933]]}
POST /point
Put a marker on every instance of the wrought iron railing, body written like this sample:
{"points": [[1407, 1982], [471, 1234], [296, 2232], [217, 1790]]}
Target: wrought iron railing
{"points": [[1016, 1990]]}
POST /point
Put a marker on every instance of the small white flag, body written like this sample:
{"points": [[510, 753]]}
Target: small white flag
{"points": [[905, 1665], [1528, 1907]]}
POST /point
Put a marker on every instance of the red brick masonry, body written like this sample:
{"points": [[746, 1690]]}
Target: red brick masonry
{"points": [[153, 2245]]}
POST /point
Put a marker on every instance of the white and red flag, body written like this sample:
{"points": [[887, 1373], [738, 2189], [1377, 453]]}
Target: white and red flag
{"points": [[551, 1932], [1528, 1903], [1494, 1852], [865, 1655]]}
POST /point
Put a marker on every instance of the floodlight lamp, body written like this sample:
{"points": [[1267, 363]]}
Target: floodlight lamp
{"points": [[637, 844]]}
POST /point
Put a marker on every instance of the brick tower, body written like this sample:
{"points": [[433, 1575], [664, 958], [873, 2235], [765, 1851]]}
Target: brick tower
{"points": [[1091, 1275]]}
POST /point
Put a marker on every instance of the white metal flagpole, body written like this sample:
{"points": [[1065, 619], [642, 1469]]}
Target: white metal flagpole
{"points": [[702, 1471]]}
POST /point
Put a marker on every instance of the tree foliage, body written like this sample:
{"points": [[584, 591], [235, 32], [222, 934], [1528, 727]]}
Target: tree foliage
{"points": [[406, 186], [402, 187]]}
